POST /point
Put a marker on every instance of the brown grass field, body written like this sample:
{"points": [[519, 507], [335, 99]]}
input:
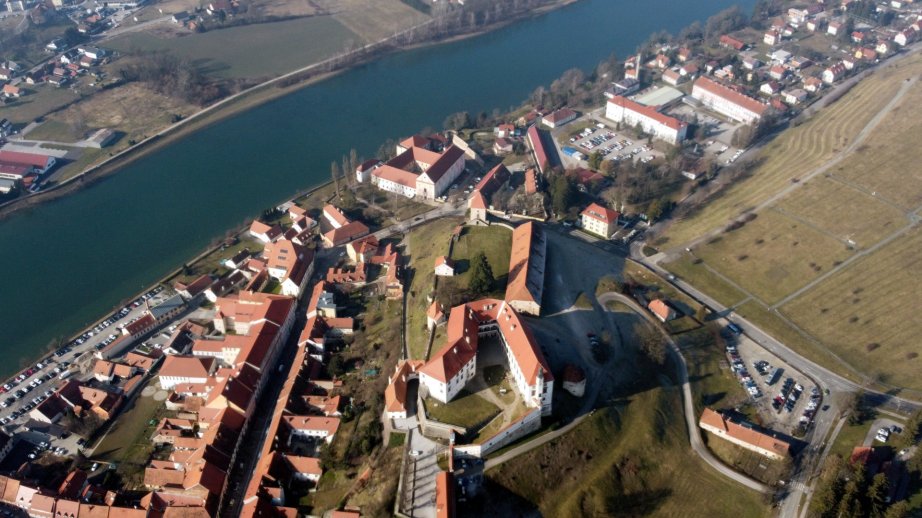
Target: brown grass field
{"points": [[868, 303], [799, 150], [856, 320], [373, 19], [772, 255]]}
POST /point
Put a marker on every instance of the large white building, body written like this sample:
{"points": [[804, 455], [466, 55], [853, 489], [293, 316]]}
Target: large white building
{"points": [[661, 126], [726, 101], [599, 220], [456, 363], [417, 170]]}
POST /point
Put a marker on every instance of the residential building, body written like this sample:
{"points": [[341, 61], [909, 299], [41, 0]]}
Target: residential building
{"points": [[728, 102], [661, 309], [264, 232], [342, 235], [312, 426], [559, 118], [663, 127], [525, 285], [834, 73], [335, 217], [444, 266], [730, 42], [185, 369], [599, 220], [290, 264], [574, 380], [744, 435]]}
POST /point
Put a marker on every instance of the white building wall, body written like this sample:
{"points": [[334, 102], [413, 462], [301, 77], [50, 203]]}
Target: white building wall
{"points": [[723, 106], [397, 188], [659, 130]]}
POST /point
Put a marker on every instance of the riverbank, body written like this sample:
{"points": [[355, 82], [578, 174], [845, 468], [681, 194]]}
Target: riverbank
{"points": [[253, 97]]}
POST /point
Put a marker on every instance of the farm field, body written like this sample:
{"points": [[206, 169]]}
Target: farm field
{"points": [[862, 312], [772, 255], [373, 19], [130, 109], [629, 459], [271, 48], [798, 151], [831, 263]]}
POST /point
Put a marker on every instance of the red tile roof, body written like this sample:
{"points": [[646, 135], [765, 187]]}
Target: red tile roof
{"points": [[521, 283], [600, 213], [745, 434], [730, 95], [647, 111]]}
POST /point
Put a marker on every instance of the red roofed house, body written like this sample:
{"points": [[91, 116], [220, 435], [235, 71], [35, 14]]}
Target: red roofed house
{"points": [[574, 380], [11, 91], [599, 220], [444, 267], [263, 232], [344, 234], [419, 171], [395, 395], [334, 216], [727, 101], [743, 434], [623, 110], [312, 426], [558, 118], [15, 165], [290, 264], [186, 369], [661, 309], [731, 42], [304, 468]]}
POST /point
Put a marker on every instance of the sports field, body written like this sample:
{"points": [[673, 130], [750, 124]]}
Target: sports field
{"points": [[826, 263], [271, 48]]}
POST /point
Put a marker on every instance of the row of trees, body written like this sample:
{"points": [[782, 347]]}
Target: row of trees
{"points": [[172, 76]]}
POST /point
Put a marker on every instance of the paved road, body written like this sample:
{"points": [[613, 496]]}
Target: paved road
{"points": [[691, 419]]}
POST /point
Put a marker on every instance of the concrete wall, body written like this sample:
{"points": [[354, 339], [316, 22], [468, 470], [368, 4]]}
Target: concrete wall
{"points": [[515, 431]]}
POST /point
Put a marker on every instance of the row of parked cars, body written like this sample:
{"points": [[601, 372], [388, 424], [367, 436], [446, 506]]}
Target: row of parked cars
{"points": [[109, 321], [737, 365]]}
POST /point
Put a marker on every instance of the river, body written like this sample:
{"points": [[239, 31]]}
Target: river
{"points": [[69, 261]]}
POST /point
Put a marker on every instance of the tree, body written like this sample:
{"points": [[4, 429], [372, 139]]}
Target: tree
{"points": [[595, 160], [335, 174], [561, 194], [898, 510], [651, 343], [657, 208], [336, 368], [457, 121], [877, 495], [481, 275]]}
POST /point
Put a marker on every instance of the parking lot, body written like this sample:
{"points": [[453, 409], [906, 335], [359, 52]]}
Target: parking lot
{"points": [[23, 392], [785, 398], [611, 144]]}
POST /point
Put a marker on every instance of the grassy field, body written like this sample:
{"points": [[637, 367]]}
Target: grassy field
{"points": [[425, 243], [271, 48], [495, 242], [38, 101], [632, 459], [374, 19], [772, 255], [746, 461], [466, 410], [799, 150], [866, 304], [127, 443], [130, 109], [856, 319]]}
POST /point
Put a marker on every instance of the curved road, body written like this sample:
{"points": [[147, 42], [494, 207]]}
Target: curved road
{"points": [[691, 421]]}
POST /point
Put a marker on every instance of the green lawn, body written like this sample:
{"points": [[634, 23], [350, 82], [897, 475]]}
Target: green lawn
{"points": [[749, 462], [849, 437], [251, 51], [425, 243], [697, 275], [494, 241], [631, 459], [466, 410], [38, 101]]}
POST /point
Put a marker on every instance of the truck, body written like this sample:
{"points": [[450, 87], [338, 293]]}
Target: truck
{"points": [[774, 375]]}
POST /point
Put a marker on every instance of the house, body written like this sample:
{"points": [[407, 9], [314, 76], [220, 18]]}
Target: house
{"points": [[444, 266], [866, 54], [672, 77], [795, 96], [574, 380], [312, 426], [683, 54], [454, 365], [778, 72], [834, 73], [304, 468], [626, 86], [11, 92], [770, 88], [883, 47], [290, 264], [599, 220], [744, 435], [751, 63], [731, 42], [662, 61], [525, 284], [771, 37], [813, 84], [558, 118], [344, 234], [363, 170], [334, 216], [264, 232], [434, 315], [727, 101], [858, 37], [502, 146], [663, 127], [15, 164], [834, 27], [504, 130], [185, 369], [662, 310], [688, 70], [905, 37]]}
